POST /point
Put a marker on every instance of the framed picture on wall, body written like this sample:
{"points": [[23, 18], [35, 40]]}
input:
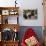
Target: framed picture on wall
{"points": [[30, 14], [5, 12]]}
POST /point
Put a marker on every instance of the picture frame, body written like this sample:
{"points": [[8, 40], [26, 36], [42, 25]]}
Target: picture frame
{"points": [[30, 14], [13, 12], [5, 12]]}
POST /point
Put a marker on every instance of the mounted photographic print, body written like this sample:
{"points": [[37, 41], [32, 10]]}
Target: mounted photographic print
{"points": [[5, 12], [30, 14]]}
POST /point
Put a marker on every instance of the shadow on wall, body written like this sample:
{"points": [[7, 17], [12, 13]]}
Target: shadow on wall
{"points": [[37, 29]]}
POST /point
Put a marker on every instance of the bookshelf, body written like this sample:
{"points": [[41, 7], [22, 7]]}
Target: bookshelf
{"points": [[9, 23]]}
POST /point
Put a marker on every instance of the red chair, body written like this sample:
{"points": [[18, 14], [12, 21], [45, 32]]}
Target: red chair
{"points": [[29, 33]]}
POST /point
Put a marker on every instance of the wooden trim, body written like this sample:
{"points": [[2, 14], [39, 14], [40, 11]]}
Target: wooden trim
{"points": [[11, 26], [5, 8]]}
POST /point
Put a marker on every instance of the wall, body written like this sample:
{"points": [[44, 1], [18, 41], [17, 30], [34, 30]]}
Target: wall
{"points": [[26, 4], [32, 4]]}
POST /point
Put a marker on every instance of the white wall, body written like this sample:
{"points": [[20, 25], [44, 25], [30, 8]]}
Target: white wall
{"points": [[32, 4], [26, 4]]}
